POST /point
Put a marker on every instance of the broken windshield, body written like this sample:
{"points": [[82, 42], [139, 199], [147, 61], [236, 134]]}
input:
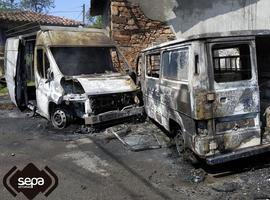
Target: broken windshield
{"points": [[76, 61]]}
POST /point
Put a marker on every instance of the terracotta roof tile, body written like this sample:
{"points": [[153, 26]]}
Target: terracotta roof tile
{"points": [[43, 19]]}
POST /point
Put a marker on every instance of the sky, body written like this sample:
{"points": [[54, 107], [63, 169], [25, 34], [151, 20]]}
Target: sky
{"points": [[70, 8]]}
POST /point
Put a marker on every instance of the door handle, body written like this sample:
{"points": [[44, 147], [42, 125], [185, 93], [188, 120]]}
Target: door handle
{"points": [[223, 100]]}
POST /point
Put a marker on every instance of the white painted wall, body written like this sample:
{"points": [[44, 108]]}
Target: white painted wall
{"points": [[189, 17]]}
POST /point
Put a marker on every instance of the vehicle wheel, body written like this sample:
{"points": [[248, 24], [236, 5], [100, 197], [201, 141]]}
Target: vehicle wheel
{"points": [[179, 142], [60, 118], [185, 153]]}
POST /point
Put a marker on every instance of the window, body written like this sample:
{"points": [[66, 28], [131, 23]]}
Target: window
{"points": [[231, 63], [175, 64], [139, 66], [46, 66], [42, 63], [153, 65]]}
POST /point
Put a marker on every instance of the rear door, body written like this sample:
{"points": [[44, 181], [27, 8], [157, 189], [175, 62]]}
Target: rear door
{"points": [[235, 79], [14, 72]]}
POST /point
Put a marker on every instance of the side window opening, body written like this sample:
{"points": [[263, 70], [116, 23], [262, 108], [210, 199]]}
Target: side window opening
{"points": [[153, 65], [175, 64], [42, 63], [139, 66], [46, 66], [231, 63], [119, 63]]}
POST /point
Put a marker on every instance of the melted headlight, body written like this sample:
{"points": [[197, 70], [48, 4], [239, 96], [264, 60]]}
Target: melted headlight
{"points": [[72, 86]]}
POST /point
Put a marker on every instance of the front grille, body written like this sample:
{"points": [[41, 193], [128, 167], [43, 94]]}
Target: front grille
{"points": [[104, 103]]}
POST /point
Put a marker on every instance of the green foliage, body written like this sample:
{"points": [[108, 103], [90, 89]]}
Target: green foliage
{"points": [[8, 4], [95, 22], [40, 6], [3, 90]]}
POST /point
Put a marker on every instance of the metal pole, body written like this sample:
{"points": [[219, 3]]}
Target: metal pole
{"points": [[83, 13]]}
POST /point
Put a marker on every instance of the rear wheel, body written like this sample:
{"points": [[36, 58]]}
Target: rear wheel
{"points": [[179, 142], [60, 118], [184, 152]]}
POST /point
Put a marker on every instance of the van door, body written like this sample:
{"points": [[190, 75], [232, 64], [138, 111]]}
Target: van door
{"points": [[14, 69], [174, 87], [152, 86], [43, 84], [235, 85]]}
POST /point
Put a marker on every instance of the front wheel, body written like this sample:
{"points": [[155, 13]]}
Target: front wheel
{"points": [[60, 118]]}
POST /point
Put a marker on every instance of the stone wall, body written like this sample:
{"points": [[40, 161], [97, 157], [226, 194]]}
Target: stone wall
{"points": [[133, 31]]}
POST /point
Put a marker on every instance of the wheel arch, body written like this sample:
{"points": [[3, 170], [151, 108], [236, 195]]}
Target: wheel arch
{"points": [[52, 106]]}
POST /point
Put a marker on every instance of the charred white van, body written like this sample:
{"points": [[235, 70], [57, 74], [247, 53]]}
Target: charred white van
{"points": [[67, 73], [212, 92]]}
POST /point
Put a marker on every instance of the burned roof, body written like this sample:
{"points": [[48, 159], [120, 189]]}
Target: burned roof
{"points": [[32, 17], [216, 35], [66, 36], [97, 7]]}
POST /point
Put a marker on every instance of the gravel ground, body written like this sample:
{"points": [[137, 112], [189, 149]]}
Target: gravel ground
{"points": [[91, 166]]}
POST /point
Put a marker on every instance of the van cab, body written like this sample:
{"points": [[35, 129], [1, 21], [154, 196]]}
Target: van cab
{"points": [[68, 73], [211, 92]]}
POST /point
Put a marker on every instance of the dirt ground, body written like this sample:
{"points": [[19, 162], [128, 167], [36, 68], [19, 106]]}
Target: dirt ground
{"points": [[90, 166]]}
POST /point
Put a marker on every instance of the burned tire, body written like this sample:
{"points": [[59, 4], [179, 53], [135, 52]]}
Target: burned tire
{"points": [[185, 153], [179, 142], [60, 118]]}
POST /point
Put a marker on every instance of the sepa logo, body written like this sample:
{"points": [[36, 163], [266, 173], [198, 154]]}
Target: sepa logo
{"points": [[30, 181]]}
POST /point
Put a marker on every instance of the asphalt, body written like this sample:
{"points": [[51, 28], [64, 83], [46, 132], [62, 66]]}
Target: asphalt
{"points": [[91, 167]]}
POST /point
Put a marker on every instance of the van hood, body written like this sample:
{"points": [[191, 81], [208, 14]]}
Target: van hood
{"points": [[96, 86]]}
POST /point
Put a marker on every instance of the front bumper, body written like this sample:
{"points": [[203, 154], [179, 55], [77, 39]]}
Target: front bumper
{"points": [[242, 153], [113, 115]]}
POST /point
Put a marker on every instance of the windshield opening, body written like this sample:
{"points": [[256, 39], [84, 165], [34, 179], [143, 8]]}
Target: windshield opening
{"points": [[76, 61]]}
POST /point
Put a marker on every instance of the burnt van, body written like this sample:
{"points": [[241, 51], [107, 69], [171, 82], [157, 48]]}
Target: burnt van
{"points": [[211, 92], [68, 73]]}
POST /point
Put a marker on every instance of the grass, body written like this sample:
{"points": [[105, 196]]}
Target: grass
{"points": [[31, 83], [3, 91]]}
